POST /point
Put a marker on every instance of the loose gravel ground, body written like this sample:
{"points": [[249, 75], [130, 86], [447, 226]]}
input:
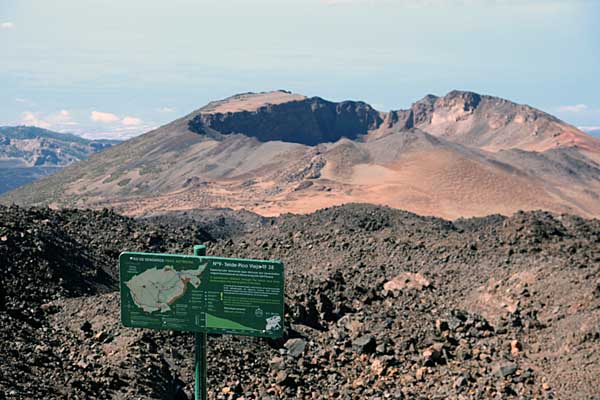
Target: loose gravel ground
{"points": [[381, 304]]}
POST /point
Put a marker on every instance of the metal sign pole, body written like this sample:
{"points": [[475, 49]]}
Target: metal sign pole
{"points": [[200, 389]]}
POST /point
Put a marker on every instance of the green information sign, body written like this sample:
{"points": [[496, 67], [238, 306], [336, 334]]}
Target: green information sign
{"points": [[202, 294]]}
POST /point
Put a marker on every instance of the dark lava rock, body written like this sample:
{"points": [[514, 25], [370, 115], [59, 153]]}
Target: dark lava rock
{"points": [[365, 344], [493, 282], [284, 379], [86, 327], [506, 369], [295, 347]]}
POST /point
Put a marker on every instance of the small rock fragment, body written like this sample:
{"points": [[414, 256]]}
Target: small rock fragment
{"points": [[515, 347], [100, 336], [277, 363], [460, 382], [284, 379], [441, 325], [506, 369], [365, 344], [295, 347], [433, 354]]}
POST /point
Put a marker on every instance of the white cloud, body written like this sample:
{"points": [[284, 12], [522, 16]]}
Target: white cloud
{"points": [[61, 117], [99, 116], [131, 121], [589, 128], [576, 108], [107, 118], [166, 110], [106, 126], [32, 119], [58, 121], [7, 25]]}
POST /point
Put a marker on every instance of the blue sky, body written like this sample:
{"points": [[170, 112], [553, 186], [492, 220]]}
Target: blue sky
{"points": [[120, 67]]}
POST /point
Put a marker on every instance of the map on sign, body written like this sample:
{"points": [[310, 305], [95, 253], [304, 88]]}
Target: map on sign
{"points": [[156, 289], [202, 294]]}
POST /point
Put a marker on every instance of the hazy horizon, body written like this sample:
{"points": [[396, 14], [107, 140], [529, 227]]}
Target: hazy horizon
{"points": [[119, 69]]}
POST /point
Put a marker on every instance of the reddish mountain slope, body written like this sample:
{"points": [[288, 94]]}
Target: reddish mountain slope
{"points": [[490, 123]]}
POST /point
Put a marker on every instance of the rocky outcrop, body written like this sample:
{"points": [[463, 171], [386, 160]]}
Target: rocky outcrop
{"points": [[310, 121], [490, 123]]}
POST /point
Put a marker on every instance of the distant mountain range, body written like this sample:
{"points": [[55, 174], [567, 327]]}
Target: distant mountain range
{"points": [[592, 130], [462, 154], [28, 153]]}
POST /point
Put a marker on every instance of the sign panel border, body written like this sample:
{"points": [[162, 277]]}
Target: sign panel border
{"points": [[274, 315]]}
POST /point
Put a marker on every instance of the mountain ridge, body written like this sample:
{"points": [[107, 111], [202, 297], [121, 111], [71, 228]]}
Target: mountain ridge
{"points": [[33, 146], [428, 114], [462, 154]]}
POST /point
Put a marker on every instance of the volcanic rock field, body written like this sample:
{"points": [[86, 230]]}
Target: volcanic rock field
{"points": [[380, 304]]}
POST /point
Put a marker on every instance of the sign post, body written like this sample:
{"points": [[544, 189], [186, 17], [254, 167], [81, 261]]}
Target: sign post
{"points": [[200, 342], [203, 295]]}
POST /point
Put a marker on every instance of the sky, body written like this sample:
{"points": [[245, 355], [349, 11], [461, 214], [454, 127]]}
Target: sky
{"points": [[118, 68]]}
